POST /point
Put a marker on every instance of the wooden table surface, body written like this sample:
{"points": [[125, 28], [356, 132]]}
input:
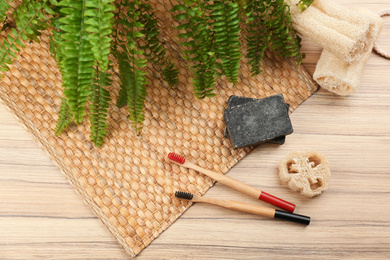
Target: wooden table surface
{"points": [[43, 217]]}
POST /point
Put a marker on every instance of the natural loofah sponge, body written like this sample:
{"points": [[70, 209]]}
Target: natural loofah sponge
{"points": [[341, 77], [338, 29], [307, 172]]}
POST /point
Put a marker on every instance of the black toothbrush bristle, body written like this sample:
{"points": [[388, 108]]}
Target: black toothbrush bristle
{"points": [[184, 195]]}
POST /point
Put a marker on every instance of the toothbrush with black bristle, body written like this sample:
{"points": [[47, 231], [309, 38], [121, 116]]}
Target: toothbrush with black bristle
{"points": [[257, 210], [234, 184]]}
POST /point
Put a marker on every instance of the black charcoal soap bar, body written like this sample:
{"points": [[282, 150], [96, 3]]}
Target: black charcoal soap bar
{"points": [[237, 100], [258, 121]]}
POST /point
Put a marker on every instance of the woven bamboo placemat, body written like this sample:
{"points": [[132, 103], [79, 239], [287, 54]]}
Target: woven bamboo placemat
{"points": [[128, 182]]}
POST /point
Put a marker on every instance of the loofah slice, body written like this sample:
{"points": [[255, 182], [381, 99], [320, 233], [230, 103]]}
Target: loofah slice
{"points": [[306, 172]]}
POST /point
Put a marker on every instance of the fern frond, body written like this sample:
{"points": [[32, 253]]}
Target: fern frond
{"points": [[194, 21], [56, 47], [65, 117], [4, 7], [136, 94], [258, 35], [100, 19], [100, 99], [78, 60], [55, 41], [226, 28], [128, 53], [30, 18], [154, 50], [9, 46], [133, 85], [203, 81], [284, 40], [122, 98], [242, 5], [170, 74], [269, 25]]}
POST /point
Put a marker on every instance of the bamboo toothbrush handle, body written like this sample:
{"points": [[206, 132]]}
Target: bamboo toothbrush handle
{"points": [[245, 188], [257, 210], [252, 209]]}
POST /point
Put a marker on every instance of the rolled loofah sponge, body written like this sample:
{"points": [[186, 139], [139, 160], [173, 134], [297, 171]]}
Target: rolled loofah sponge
{"points": [[339, 76], [338, 29], [306, 172]]}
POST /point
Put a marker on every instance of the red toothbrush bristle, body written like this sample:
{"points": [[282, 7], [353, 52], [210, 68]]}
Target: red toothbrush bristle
{"points": [[177, 158]]}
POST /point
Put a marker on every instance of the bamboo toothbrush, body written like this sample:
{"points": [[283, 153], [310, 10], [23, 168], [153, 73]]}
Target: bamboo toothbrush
{"points": [[257, 210], [234, 184]]}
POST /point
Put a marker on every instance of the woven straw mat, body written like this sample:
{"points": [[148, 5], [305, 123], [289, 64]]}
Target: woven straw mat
{"points": [[128, 182]]}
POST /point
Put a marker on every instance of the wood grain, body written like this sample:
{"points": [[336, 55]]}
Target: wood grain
{"points": [[42, 217]]}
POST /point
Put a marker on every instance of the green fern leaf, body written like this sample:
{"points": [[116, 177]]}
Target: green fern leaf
{"points": [[55, 41], [258, 34], [242, 5], [153, 49], [122, 98], [203, 81], [133, 88], [284, 40], [170, 74], [56, 48], [194, 21], [30, 18], [128, 53], [100, 99], [136, 94], [78, 57], [100, 19], [269, 25], [65, 117], [4, 7], [226, 28]]}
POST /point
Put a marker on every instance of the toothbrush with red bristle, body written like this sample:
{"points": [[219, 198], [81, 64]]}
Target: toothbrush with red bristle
{"points": [[234, 184]]}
